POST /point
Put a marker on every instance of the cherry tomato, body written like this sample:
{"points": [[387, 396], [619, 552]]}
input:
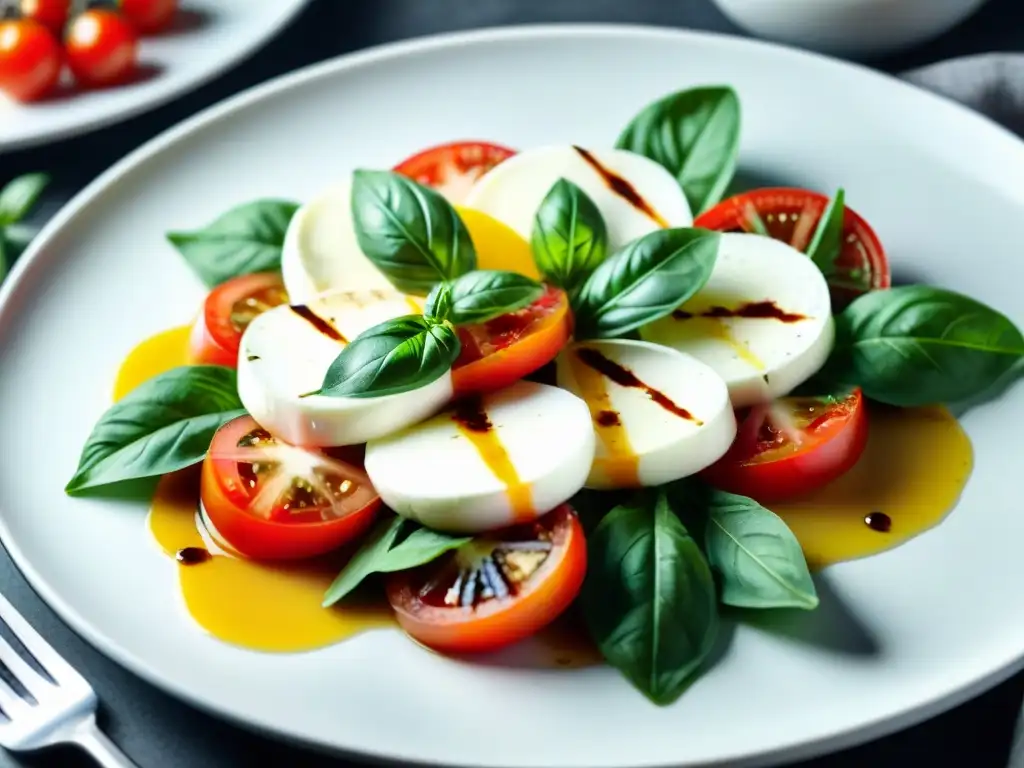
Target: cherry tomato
{"points": [[52, 14], [271, 501], [793, 446], [149, 16], [497, 589], [102, 48], [30, 60], [452, 169], [791, 215], [501, 351], [227, 312]]}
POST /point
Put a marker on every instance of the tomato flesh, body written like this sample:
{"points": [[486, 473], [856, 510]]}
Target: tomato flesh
{"points": [[792, 215], [453, 168], [102, 48], [227, 312], [30, 60], [270, 501], [502, 351], [793, 446], [496, 590]]}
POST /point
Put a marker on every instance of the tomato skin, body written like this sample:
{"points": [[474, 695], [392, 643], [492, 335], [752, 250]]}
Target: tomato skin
{"points": [[509, 361], [833, 449], [452, 168], [862, 264], [269, 538], [102, 48], [52, 14], [497, 623], [149, 16], [30, 60], [215, 338]]}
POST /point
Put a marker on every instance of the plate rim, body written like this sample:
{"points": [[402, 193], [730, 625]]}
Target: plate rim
{"points": [[39, 253], [161, 98]]}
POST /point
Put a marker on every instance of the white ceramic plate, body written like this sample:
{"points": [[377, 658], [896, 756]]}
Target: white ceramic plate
{"points": [[898, 637], [209, 37]]}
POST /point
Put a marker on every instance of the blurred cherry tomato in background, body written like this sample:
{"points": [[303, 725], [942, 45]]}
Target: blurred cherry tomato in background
{"points": [[30, 59], [149, 16], [102, 48], [52, 14]]}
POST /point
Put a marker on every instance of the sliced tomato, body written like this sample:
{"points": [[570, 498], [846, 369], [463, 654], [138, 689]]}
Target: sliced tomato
{"points": [[271, 501], [496, 590], [501, 351], [793, 446], [452, 169], [227, 312], [792, 215]]}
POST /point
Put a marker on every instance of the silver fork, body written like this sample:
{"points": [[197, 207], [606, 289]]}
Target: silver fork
{"points": [[56, 708]]}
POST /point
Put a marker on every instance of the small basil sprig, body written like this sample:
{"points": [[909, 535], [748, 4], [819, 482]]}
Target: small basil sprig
{"points": [[644, 281], [569, 237], [694, 134], [164, 425], [16, 201], [395, 356], [649, 597], [248, 238], [394, 544], [915, 345], [410, 232], [827, 242], [482, 295]]}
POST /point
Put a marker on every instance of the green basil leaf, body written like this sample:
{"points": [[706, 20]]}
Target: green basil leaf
{"points": [[757, 558], [569, 236], [379, 553], [164, 425], [411, 233], [488, 293], [439, 302], [18, 197], [395, 356], [16, 239], [248, 238], [649, 597], [694, 134], [828, 237], [915, 345], [644, 281]]}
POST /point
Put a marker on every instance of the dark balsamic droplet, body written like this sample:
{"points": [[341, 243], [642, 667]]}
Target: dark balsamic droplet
{"points": [[609, 419], [192, 556], [878, 521]]}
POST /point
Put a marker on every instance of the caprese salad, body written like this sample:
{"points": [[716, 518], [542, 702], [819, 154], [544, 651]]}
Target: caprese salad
{"points": [[515, 381]]}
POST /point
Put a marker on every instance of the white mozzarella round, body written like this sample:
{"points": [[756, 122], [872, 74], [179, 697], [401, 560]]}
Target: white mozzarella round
{"points": [[513, 190], [530, 451], [659, 415], [286, 352], [760, 357], [321, 252]]}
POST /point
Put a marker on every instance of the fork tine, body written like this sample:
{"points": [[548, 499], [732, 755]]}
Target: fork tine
{"points": [[23, 672], [10, 700], [34, 643]]}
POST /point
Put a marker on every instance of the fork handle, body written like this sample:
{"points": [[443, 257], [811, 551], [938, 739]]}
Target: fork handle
{"points": [[89, 737]]}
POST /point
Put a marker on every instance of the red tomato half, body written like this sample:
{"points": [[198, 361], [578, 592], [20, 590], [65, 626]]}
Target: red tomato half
{"points": [[452, 169], [793, 446], [271, 501], [496, 590], [792, 215], [227, 312], [501, 351]]}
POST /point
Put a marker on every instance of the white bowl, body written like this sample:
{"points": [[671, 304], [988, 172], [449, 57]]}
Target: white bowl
{"points": [[849, 27]]}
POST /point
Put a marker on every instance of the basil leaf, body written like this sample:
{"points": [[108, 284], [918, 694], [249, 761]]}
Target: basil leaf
{"points": [[380, 554], [644, 281], [694, 134], [164, 425], [395, 356], [439, 302], [248, 238], [828, 237], [18, 197], [915, 345], [482, 295], [569, 236], [649, 597], [758, 560], [411, 233]]}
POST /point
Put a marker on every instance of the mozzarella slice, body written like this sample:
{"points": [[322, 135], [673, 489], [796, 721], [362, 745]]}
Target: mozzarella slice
{"points": [[658, 415], [635, 195], [488, 462], [286, 352], [763, 322], [321, 252]]}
